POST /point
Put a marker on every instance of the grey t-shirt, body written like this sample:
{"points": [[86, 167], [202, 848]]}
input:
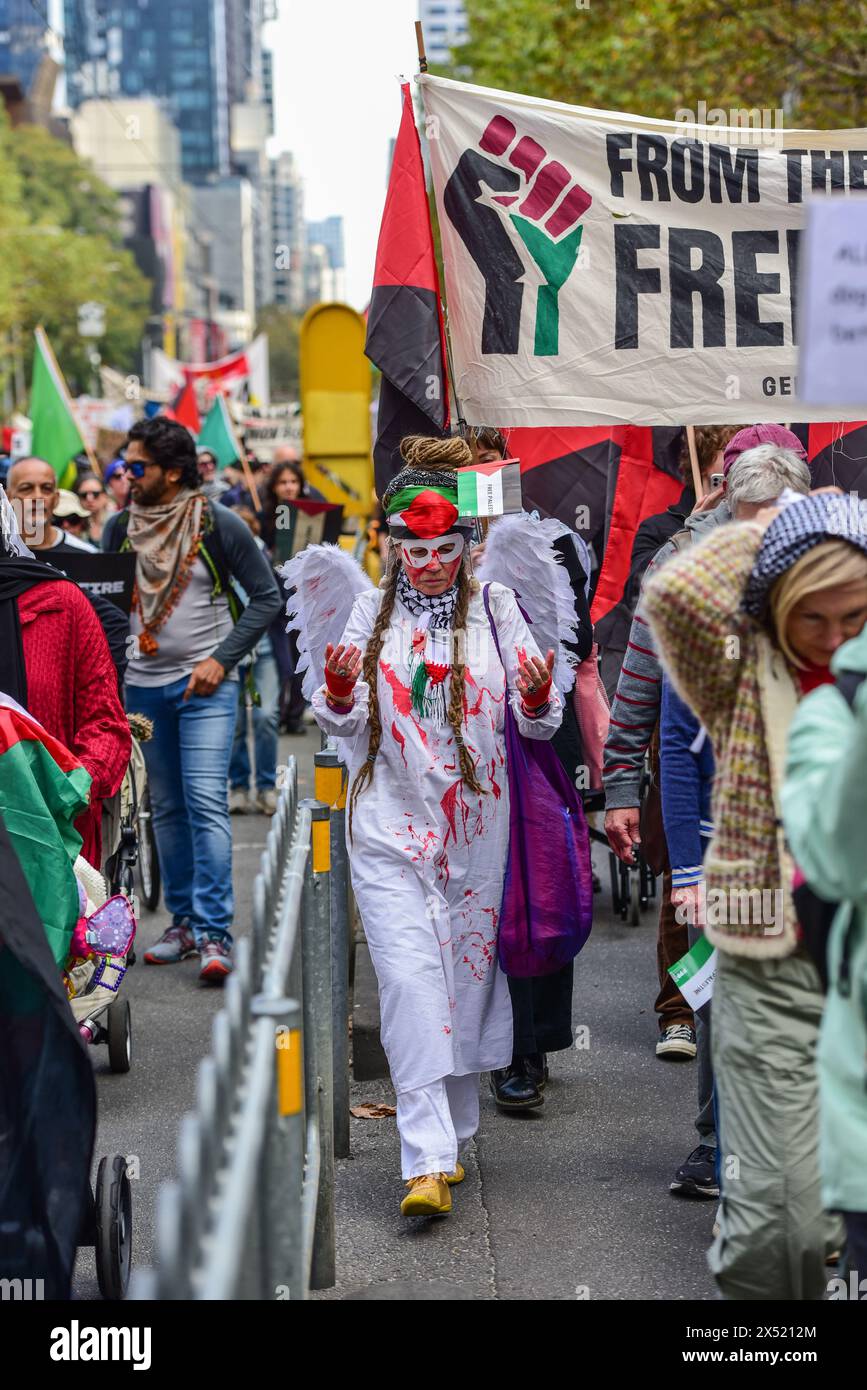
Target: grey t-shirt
{"points": [[192, 632]]}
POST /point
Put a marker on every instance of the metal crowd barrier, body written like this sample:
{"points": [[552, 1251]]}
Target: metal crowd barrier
{"points": [[251, 1212]]}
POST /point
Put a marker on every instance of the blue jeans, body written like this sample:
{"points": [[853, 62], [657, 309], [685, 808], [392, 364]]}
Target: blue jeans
{"points": [[188, 765], [266, 719]]}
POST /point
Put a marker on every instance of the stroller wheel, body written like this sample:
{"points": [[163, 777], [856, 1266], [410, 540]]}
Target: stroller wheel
{"points": [[634, 898], [148, 863], [113, 1205], [119, 1028]]}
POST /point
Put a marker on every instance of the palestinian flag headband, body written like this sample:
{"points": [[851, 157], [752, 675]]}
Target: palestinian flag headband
{"points": [[423, 505]]}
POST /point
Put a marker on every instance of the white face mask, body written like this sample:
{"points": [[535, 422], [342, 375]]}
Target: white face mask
{"points": [[419, 554]]}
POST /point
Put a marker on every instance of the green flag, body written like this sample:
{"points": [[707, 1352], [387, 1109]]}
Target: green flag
{"points": [[218, 434], [56, 436]]}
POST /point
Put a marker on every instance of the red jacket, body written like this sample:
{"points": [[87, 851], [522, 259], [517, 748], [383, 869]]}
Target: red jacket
{"points": [[72, 691]]}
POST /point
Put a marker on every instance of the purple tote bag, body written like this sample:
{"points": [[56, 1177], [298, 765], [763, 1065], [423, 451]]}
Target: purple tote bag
{"points": [[547, 906]]}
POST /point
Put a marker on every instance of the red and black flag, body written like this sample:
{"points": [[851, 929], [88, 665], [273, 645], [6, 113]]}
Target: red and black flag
{"points": [[405, 330], [185, 408], [837, 454], [602, 482]]}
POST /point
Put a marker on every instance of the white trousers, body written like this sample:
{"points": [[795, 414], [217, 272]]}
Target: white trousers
{"points": [[435, 1122]]}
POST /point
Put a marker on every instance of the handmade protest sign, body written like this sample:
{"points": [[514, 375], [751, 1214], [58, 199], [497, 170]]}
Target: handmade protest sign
{"points": [[604, 267], [489, 489], [833, 298]]}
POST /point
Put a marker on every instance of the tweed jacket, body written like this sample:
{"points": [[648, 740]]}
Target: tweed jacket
{"points": [[722, 662]]}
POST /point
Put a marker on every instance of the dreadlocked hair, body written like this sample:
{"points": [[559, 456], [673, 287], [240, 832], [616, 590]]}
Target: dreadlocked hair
{"points": [[455, 712], [421, 451]]}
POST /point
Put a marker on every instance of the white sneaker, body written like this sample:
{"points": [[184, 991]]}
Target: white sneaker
{"points": [[239, 802], [266, 801]]}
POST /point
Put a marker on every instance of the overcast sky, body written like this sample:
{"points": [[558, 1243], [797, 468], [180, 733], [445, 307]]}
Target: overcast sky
{"points": [[337, 106]]}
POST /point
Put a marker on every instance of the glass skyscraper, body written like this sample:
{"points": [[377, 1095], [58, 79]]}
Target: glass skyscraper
{"points": [[175, 52]]}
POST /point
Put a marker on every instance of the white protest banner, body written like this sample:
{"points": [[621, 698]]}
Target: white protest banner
{"points": [[833, 301], [604, 268]]}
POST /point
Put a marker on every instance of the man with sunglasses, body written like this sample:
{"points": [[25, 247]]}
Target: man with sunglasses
{"points": [[192, 631]]}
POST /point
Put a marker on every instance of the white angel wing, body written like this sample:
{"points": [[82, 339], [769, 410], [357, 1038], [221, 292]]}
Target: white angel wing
{"points": [[327, 581], [519, 552]]}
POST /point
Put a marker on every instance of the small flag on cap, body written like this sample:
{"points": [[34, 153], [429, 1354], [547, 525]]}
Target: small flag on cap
{"points": [[489, 489]]}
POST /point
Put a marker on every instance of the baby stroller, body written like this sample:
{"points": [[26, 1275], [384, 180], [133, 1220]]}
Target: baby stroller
{"points": [[101, 947]]}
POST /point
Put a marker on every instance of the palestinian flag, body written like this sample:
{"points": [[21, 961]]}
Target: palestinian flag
{"points": [[56, 436], [185, 409], [489, 489], [405, 330], [43, 788], [218, 434]]}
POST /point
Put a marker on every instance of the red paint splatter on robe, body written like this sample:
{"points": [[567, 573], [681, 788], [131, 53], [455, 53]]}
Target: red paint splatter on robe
{"points": [[461, 813], [401, 742], [400, 692]]}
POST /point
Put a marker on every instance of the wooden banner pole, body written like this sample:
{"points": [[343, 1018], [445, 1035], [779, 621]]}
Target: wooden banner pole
{"points": [[419, 39]]}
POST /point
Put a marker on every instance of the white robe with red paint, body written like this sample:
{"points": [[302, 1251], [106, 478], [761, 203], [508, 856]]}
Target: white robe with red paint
{"points": [[428, 856]]}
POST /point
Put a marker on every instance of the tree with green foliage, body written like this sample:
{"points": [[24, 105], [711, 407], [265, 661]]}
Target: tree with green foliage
{"points": [[656, 57], [282, 329], [62, 245]]}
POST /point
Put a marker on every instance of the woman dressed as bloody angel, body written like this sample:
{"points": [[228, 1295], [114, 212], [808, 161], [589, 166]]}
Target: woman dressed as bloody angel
{"points": [[417, 691]]}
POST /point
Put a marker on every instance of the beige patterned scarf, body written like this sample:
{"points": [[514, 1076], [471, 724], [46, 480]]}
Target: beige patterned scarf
{"points": [[166, 541]]}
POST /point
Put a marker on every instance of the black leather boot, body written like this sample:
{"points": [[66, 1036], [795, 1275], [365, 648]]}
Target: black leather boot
{"points": [[536, 1067], [514, 1089]]}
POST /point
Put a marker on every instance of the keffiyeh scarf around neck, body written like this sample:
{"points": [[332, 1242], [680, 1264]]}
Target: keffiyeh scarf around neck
{"points": [[440, 607], [428, 667], [166, 541]]}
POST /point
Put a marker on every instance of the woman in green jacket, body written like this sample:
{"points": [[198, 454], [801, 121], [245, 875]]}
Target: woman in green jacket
{"points": [[824, 802]]}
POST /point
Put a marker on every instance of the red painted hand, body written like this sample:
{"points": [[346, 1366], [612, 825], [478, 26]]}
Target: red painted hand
{"points": [[342, 669]]}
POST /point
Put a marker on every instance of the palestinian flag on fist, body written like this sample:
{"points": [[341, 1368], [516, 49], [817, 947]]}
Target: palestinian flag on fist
{"points": [[405, 330]]}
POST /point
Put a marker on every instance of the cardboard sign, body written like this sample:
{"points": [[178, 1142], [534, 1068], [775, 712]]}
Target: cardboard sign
{"points": [[305, 523], [833, 298], [110, 575]]}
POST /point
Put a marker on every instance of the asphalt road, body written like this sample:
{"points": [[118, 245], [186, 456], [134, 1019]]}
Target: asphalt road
{"points": [[569, 1202]]}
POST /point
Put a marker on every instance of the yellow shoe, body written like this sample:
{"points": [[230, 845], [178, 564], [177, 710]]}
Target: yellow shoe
{"points": [[429, 1195], [457, 1176]]}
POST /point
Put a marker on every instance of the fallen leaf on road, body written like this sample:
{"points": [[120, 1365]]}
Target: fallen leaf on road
{"points": [[372, 1110]]}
